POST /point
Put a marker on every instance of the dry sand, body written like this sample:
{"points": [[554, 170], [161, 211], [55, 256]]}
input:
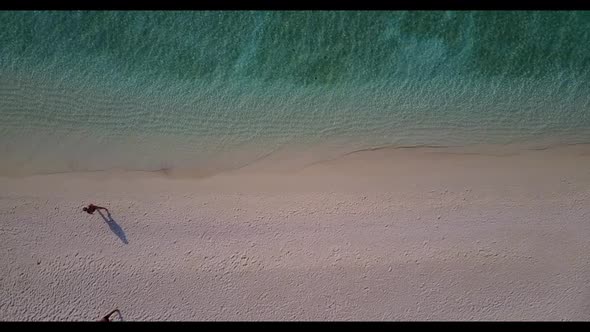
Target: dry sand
{"points": [[419, 234]]}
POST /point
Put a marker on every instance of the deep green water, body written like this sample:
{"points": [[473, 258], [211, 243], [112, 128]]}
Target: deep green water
{"points": [[146, 90]]}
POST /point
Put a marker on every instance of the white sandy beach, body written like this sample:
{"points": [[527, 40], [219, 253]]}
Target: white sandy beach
{"points": [[416, 234]]}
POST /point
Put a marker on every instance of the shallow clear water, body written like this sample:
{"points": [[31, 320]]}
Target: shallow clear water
{"points": [[153, 90]]}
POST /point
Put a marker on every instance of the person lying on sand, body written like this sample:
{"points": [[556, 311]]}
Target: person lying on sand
{"points": [[106, 318], [91, 208]]}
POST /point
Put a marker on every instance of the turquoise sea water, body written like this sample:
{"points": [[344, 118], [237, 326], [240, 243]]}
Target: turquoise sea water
{"points": [[151, 90]]}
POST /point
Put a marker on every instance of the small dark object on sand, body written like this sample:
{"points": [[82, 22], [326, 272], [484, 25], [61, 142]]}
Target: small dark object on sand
{"points": [[106, 318], [91, 208]]}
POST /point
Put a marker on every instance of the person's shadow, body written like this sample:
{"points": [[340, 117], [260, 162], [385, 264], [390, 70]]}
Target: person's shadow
{"points": [[115, 228]]}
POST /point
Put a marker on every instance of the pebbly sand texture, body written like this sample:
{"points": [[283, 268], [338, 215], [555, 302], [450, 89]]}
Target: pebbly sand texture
{"points": [[381, 235]]}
